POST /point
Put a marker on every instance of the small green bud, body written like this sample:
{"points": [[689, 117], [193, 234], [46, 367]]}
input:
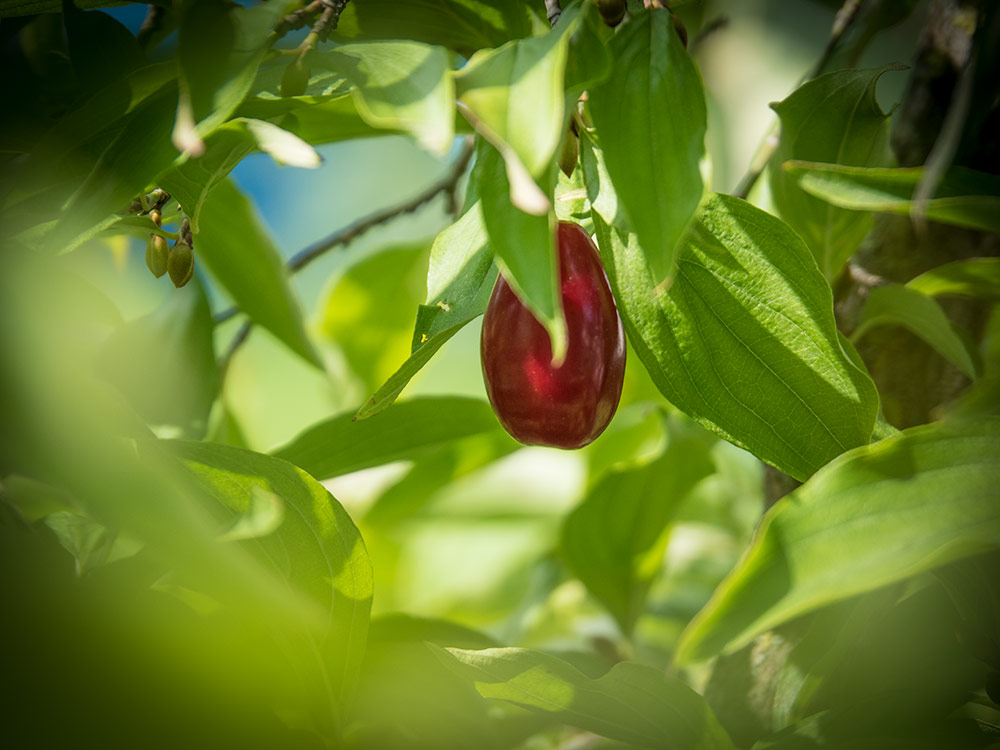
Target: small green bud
{"points": [[180, 263], [156, 216], [295, 79], [156, 255]]}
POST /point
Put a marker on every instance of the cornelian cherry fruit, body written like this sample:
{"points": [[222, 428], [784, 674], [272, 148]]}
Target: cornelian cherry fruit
{"points": [[537, 403]]}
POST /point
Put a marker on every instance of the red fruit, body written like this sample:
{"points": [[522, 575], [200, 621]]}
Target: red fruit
{"points": [[570, 405]]}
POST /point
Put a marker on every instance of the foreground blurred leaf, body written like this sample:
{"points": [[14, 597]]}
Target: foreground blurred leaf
{"points": [[462, 25], [402, 85], [164, 363], [650, 116], [745, 340], [973, 277], [459, 282], [632, 702], [893, 304], [101, 49], [962, 197], [341, 445], [615, 539], [238, 251], [316, 549], [879, 514], [834, 118]]}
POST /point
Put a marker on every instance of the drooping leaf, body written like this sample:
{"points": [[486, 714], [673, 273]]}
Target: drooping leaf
{"points": [[341, 445], [164, 363], [833, 118], [524, 245], [879, 514], [400, 85], [462, 25], [459, 281], [894, 304], [962, 197], [238, 251], [284, 147], [615, 539], [316, 548], [650, 117], [632, 703], [327, 121], [973, 277], [745, 340], [513, 96]]}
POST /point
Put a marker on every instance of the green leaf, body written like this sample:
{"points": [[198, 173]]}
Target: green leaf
{"points": [[615, 539], [962, 197], [893, 304], [524, 245], [284, 147], [460, 279], [13, 8], [879, 514], [745, 340], [973, 277], [326, 121], [400, 85], [341, 445], [316, 549], [462, 25], [514, 97], [101, 49], [240, 254], [650, 117], [633, 702], [833, 118], [164, 363]]}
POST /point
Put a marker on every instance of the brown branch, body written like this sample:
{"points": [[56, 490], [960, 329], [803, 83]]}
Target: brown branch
{"points": [[238, 340], [843, 21]]}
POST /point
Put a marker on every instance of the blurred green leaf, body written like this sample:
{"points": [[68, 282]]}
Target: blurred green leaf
{"points": [[238, 251], [316, 548], [101, 49], [368, 311], [13, 8], [524, 245], [962, 197], [35, 500], [833, 118], [879, 514], [514, 97], [894, 304], [328, 121], [972, 277], [615, 539], [460, 279], [462, 25], [341, 445], [745, 340], [650, 117], [633, 702], [284, 147], [164, 363], [400, 85]]}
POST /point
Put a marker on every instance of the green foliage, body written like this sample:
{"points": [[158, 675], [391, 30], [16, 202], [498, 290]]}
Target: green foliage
{"points": [[790, 395], [160, 556], [834, 118]]}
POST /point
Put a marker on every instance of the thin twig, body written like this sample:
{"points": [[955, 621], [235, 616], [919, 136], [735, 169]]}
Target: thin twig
{"points": [[553, 10], [151, 24], [238, 340], [844, 20], [716, 24], [447, 184]]}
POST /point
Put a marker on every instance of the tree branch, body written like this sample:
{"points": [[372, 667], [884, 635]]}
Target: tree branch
{"points": [[448, 184]]}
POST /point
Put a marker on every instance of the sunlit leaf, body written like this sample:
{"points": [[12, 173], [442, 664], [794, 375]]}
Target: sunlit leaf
{"points": [[973, 277], [962, 197], [745, 340], [879, 514], [284, 147], [633, 702], [834, 118], [893, 304], [341, 445], [400, 85], [238, 251], [650, 116]]}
